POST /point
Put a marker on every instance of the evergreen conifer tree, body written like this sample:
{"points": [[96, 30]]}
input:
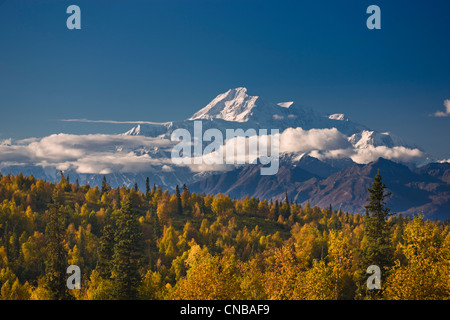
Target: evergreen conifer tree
{"points": [[106, 250], [56, 260], [378, 250], [147, 186], [287, 212], [128, 252], [105, 186], [179, 203], [277, 209]]}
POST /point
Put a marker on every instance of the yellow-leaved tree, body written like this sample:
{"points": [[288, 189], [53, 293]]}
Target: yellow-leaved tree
{"points": [[426, 275], [340, 260], [208, 277]]}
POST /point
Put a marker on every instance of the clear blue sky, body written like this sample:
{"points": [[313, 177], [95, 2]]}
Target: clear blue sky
{"points": [[163, 60]]}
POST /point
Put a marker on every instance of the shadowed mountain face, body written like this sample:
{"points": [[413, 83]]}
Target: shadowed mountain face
{"points": [[247, 180], [440, 171], [425, 191]]}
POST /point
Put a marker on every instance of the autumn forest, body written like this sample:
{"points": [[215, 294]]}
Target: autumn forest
{"points": [[160, 244]]}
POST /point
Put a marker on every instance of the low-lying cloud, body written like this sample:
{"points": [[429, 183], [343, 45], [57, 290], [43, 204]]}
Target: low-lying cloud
{"points": [[330, 143], [371, 153], [94, 153], [299, 140], [105, 154]]}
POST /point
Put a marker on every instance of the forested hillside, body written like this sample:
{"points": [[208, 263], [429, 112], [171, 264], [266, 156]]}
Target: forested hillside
{"points": [[154, 244]]}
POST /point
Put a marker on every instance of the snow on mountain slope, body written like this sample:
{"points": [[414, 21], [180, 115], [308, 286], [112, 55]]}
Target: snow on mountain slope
{"points": [[236, 109], [233, 105], [367, 138], [236, 105], [337, 116], [302, 130], [285, 104], [150, 130]]}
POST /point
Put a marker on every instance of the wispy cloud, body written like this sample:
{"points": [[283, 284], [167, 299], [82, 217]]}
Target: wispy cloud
{"points": [[444, 113], [109, 121]]}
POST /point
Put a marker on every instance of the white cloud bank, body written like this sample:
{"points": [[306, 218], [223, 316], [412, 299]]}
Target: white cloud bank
{"points": [[104, 154], [299, 140], [94, 153], [323, 144], [371, 153], [330, 143]]}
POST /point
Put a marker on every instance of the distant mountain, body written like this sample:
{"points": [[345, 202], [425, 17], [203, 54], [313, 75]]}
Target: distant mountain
{"points": [[236, 109], [438, 170], [247, 180], [236, 106], [324, 158], [412, 192]]}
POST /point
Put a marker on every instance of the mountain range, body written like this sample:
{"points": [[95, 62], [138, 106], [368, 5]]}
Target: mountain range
{"points": [[325, 159], [424, 190]]}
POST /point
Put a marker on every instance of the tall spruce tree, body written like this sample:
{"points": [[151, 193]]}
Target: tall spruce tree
{"points": [[105, 186], [128, 253], [106, 250], [377, 229], [378, 250], [179, 202], [56, 262], [147, 186], [287, 212], [277, 210]]}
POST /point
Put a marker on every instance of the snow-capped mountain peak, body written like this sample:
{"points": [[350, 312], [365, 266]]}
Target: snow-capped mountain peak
{"points": [[135, 131], [366, 138], [233, 105], [236, 108], [337, 116], [285, 104], [236, 105]]}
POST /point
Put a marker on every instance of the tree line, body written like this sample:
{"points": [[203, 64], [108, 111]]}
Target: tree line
{"points": [[155, 244]]}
